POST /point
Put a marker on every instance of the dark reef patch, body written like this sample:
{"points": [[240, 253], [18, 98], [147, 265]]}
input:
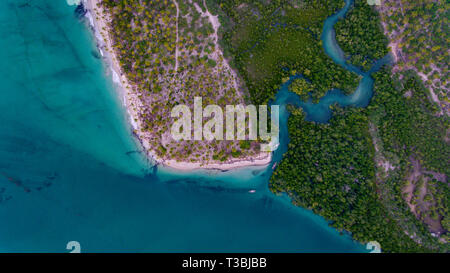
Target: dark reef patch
{"points": [[80, 11]]}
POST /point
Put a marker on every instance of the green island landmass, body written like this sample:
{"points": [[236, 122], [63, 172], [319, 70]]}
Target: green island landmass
{"points": [[379, 173]]}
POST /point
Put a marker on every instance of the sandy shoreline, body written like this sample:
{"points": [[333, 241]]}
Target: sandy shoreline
{"points": [[132, 102]]}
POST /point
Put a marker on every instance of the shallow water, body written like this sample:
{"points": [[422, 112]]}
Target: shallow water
{"points": [[70, 169]]}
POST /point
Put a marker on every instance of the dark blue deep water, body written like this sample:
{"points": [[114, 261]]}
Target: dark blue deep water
{"points": [[70, 169]]}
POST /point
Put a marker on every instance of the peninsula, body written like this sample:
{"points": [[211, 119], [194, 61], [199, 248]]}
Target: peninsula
{"points": [[163, 54]]}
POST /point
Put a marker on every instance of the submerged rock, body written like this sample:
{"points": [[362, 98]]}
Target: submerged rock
{"points": [[95, 54]]}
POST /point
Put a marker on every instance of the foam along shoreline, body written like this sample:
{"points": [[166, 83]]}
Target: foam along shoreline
{"points": [[132, 103]]}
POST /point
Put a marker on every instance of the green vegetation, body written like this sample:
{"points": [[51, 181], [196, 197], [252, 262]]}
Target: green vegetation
{"points": [[415, 137], [270, 40], [421, 31], [360, 35], [302, 88], [410, 126]]}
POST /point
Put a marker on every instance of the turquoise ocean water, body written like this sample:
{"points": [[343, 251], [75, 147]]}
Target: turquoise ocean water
{"points": [[70, 169]]}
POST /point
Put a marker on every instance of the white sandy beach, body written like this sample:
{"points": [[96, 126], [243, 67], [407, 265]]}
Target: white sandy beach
{"points": [[98, 20]]}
